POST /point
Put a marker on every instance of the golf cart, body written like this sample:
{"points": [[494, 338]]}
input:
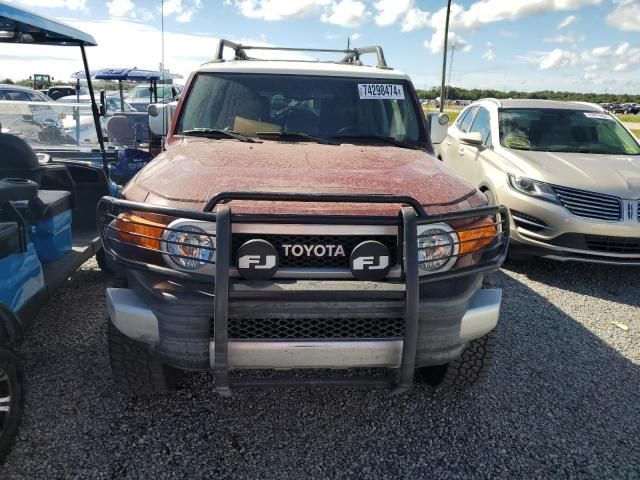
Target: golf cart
{"points": [[49, 190]]}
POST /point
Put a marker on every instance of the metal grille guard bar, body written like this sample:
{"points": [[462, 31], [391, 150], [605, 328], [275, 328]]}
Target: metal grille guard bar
{"points": [[409, 218]]}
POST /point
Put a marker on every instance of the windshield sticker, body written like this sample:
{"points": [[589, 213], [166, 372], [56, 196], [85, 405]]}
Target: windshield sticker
{"points": [[601, 116], [372, 91], [516, 141]]}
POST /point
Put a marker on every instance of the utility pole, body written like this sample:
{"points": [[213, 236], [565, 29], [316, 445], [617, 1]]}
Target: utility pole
{"points": [[444, 57], [453, 51]]}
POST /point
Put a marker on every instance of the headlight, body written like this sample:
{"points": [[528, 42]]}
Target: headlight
{"points": [[438, 248], [188, 245], [533, 188]]}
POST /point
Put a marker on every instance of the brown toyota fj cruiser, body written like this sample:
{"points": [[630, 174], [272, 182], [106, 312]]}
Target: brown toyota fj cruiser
{"points": [[297, 219]]}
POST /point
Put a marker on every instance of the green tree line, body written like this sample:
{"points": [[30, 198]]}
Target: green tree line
{"points": [[457, 93]]}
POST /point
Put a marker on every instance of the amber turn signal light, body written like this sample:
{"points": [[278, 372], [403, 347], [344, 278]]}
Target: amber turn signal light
{"points": [[141, 230], [476, 236]]}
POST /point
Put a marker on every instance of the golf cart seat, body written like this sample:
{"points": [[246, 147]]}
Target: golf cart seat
{"points": [[121, 132], [18, 160]]}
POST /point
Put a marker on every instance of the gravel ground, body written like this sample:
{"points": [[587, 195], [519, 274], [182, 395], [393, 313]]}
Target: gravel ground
{"points": [[563, 402]]}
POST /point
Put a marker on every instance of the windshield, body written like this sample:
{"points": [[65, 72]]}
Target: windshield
{"points": [[49, 124], [324, 107], [559, 130], [141, 93]]}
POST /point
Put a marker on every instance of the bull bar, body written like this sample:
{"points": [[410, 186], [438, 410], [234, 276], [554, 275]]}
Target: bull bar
{"points": [[218, 209]]}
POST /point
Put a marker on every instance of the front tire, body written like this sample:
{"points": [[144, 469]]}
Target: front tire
{"points": [[471, 368], [135, 369], [11, 399]]}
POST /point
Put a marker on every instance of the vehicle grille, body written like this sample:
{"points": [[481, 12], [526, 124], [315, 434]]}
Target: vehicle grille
{"points": [[590, 204], [348, 242], [599, 243], [315, 328], [613, 244]]}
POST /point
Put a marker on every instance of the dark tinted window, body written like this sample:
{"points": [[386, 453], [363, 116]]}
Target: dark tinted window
{"points": [[482, 124], [320, 106], [17, 96]]}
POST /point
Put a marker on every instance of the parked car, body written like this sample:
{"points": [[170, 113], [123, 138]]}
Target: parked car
{"points": [[33, 106], [298, 219], [568, 171], [140, 96]]}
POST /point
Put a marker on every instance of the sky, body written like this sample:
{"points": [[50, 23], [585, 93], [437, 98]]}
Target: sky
{"points": [[525, 45]]}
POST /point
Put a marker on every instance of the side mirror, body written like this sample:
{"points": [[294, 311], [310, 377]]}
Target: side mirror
{"points": [[472, 138], [439, 125], [160, 116]]}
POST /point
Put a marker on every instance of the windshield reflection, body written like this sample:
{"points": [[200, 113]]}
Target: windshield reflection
{"points": [[54, 124]]}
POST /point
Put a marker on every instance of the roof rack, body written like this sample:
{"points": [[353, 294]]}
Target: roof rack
{"points": [[496, 102], [351, 56]]}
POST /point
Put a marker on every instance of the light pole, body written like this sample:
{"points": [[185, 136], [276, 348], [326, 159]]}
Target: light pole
{"points": [[444, 57]]}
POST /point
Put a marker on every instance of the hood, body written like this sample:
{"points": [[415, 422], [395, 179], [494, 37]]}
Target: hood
{"points": [[617, 175], [193, 170]]}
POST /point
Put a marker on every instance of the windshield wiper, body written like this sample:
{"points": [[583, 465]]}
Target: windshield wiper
{"points": [[379, 138], [296, 135], [217, 133]]}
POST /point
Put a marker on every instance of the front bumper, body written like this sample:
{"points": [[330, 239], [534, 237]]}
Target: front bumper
{"points": [[190, 321], [548, 230], [445, 326]]}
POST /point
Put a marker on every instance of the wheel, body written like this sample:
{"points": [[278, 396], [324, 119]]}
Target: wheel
{"points": [[471, 368], [101, 259], [11, 399], [135, 369], [491, 198]]}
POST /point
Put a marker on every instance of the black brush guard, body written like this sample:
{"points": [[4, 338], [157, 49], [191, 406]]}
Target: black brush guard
{"points": [[411, 215]]}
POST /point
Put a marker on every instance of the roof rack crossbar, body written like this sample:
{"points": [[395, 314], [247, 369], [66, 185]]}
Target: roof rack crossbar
{"points": [[350, 55]]}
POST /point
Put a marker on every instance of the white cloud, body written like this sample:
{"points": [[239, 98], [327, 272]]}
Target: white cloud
{"points": [[484, 12], [558, 59], [600, 52], [68, 4], [567, 21], [346, 13], [274, 10], [119, 8], [182, 11], [625, 15], [489, 55], [415, 19], [355, 36], [568, 37], [390, 11], [621, 67], [436, 44]]}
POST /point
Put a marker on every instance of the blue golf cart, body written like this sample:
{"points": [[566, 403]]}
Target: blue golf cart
{"points": [[49, 189]]}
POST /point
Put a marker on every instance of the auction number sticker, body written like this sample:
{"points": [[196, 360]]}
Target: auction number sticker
{"points": [[601, 116], [388, 91]]}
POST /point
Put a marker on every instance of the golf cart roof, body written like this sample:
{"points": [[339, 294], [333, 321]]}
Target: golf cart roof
{"points": [[22, 26], [133, 75]]}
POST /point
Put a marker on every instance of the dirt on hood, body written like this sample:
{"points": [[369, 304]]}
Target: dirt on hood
{"points": [[193, 170]]}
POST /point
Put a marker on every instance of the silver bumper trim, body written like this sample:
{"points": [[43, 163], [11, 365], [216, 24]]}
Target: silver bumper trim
{"points": [[131, 316], [312, 354]]}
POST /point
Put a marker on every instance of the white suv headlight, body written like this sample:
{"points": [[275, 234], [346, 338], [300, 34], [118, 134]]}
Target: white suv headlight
{"points": [[438, 247], [189, 245]]}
